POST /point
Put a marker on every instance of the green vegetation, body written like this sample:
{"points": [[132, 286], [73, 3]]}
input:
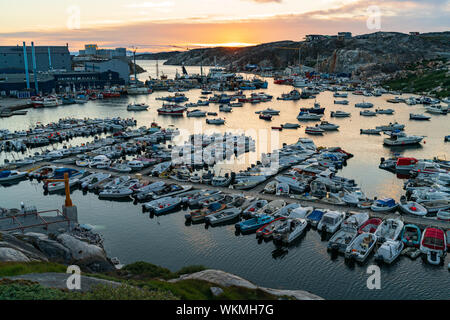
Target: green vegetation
{"points": [[27, 290], [10, 269], [140, 281], [424, 77]]}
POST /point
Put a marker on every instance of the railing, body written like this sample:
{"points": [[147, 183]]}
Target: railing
{"points": [[45, 224]]}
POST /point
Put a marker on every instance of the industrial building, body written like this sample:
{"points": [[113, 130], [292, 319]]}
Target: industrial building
{"points": [[47, 58], [93, 50]]}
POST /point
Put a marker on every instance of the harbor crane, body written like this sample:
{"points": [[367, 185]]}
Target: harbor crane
{"points": [[68, 202]]}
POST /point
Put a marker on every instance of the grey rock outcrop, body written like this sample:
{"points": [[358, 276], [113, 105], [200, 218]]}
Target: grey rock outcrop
{"points": [[225, 279]]}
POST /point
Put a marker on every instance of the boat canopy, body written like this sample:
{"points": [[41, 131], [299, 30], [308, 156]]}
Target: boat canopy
{"points": [[433, 238], [389, 202], [4, 174], [406, 161]]}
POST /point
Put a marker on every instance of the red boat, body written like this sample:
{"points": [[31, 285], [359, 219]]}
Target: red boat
{"points": [[370, 226], [406, 164], [277, 128], [110, 94], [267, 230], [434, 245]]}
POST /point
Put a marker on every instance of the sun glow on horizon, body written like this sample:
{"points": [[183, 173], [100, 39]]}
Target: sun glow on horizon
{"points": [[225, 44]]}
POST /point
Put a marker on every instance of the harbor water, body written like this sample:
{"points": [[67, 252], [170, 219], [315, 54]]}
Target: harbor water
{"points": [[132, 235]]}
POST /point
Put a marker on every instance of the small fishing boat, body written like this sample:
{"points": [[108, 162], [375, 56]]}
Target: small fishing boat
{"points": [[272, 207], [267, 230], [443, 215], [331, 221], [314, 130], [384, 205], [306, 116], [400, 140], [385, 111], [340, 114], [368, 113], [370, 131], [267, 117], [224, 108], [327, 126], [290, 126], [223, 216], [289, 230], [389, 251], [200, 214], [422, 117], [254, 207], [434, 206], [360, 248], [342, 239], [215, 121], [8, 175], [370, 226], [413, 208], [137, 107], [434, 245], [314, 217], [163, 205], [389, 229], [222, 181], [282, 189], [355, 220], [91, 181], [170, 190], [411, 235], [254, 223]]}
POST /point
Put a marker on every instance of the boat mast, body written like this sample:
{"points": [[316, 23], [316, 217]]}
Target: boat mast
{"points": [[157, 69], [135, 73]]}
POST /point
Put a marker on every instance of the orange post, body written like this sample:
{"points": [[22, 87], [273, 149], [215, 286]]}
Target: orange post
{"points": [[67, 188]]}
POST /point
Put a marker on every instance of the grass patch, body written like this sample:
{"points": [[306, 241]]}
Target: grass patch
{"points": [[10, 269], [26, 290], [200, 290], [124, 292], [145, 270]]}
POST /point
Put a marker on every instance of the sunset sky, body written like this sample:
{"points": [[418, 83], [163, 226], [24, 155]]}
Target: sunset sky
{"points": [[160, 25]]}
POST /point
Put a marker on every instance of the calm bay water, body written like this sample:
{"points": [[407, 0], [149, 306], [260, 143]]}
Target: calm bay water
{"points": [[167, 241]]}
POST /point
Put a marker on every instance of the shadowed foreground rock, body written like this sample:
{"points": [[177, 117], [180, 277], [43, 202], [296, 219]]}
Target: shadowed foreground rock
{"points": [[225, 279]]}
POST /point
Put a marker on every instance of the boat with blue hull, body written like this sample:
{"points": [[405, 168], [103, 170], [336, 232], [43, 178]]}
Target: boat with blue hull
{"points": [[254, 223]]}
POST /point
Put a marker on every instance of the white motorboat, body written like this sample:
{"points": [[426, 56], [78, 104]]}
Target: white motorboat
{"points": [[360, 248], [342, 239], [402, 140], [366, 105], [272, 207], [355, 220], [385, 111], [222, 181], [443, 215], [163, 205], [254, 207], [314, 130], [295, 184], [223, 216], [413, 116], [370, 131], [100, 162], [437, 109], [271, 187], [137, 107], [340, 114], [144, 192], [331, 221], [93, 180], [269, 111], [217, 121], [434, 206], [343, 102], [161, 168], [306, 116], [325, 125], [136, 165], [368, 113], [389, 251], [289, 230], [391, 127], [290, 126], [282, 189], [196, 113], [224, 108], [121, 167], [389, 229], [248, 182], [413, 208]]}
